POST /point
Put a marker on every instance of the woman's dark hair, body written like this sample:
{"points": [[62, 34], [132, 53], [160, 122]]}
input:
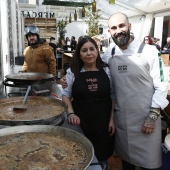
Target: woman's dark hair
{"points": [[52, 38], [67, 39], [77, 64]]}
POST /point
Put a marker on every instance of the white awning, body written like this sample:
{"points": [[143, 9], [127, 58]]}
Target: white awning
{"points": [[133, 8]]}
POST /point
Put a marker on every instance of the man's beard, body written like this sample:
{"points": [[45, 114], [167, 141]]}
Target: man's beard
{"points": [[33, 43], [122, 41]]}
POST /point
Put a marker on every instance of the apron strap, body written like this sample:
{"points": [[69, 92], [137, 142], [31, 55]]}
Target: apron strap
{"points": [[141, 47], [113, 51]]}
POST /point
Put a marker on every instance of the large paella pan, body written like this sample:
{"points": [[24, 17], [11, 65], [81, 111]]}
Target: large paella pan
{"points": [[41, 110], [44, 147]]}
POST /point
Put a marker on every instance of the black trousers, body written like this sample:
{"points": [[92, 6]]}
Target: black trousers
{"points": [[128, 166]]}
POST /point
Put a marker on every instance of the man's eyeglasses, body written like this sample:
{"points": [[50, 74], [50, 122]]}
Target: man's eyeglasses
{"points": [[146, 39]]}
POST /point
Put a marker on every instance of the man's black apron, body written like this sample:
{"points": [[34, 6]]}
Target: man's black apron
{"points": [[92, 103]]}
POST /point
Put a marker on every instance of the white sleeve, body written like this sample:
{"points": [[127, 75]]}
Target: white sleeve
{"points": [[69, 79], [112, 90], [107, 53], [161, 86]]}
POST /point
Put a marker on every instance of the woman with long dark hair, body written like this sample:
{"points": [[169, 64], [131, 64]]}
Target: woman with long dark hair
{"points": [[88, 96]]}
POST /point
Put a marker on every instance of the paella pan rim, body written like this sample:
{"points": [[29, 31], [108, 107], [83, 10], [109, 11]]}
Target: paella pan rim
{"points": [[30, 76]]}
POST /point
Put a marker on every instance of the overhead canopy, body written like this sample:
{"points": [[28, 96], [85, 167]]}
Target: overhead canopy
{"points": [[141, 13], [131, 8]]}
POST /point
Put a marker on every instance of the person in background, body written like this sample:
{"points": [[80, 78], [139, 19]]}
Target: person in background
{"points": [[80, 37], [97, 41], [151, 41], [67, 41], [38, 56], [141, 87], [53, 45], [156, 43], [148, 40], [88, 97], [167, 46], [73, 43], [67, 46], [155, 40]]}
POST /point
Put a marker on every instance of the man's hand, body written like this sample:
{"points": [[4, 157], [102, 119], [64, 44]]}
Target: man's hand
{"points": [[63, 82], [149, 123]]}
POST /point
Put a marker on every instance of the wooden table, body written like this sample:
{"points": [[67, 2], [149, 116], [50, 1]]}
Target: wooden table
{"points": [[66, 58]]}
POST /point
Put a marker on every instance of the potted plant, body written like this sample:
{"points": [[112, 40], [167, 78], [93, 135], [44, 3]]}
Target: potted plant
{"points": [[61, 30], [92, 20]]}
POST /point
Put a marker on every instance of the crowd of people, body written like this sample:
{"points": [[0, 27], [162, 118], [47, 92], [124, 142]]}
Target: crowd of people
{"points": [[116, 99], [70, 45], [152, 41], [156, 41], [167, 46]]}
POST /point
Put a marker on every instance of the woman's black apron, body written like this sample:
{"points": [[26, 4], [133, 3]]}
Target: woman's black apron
{"points": [[92, 103]]}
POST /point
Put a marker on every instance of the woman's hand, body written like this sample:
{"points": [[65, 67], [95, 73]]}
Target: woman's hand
{"points": [[112, 126], [74, 119]]}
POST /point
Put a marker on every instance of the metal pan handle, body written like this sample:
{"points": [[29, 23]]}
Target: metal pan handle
{"points": [[6, 83], [60, 123], [44, 122]]}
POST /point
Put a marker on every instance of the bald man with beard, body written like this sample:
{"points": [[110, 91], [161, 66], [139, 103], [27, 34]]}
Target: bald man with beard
{"points": [[141, 88]]}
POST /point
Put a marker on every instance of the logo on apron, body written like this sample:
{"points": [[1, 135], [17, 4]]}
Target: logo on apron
{"points": [[122, 69], [92, 84]]}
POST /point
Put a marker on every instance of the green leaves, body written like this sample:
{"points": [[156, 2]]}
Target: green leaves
{"points": [[92, 20], [61, 29], [111, 1]]}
